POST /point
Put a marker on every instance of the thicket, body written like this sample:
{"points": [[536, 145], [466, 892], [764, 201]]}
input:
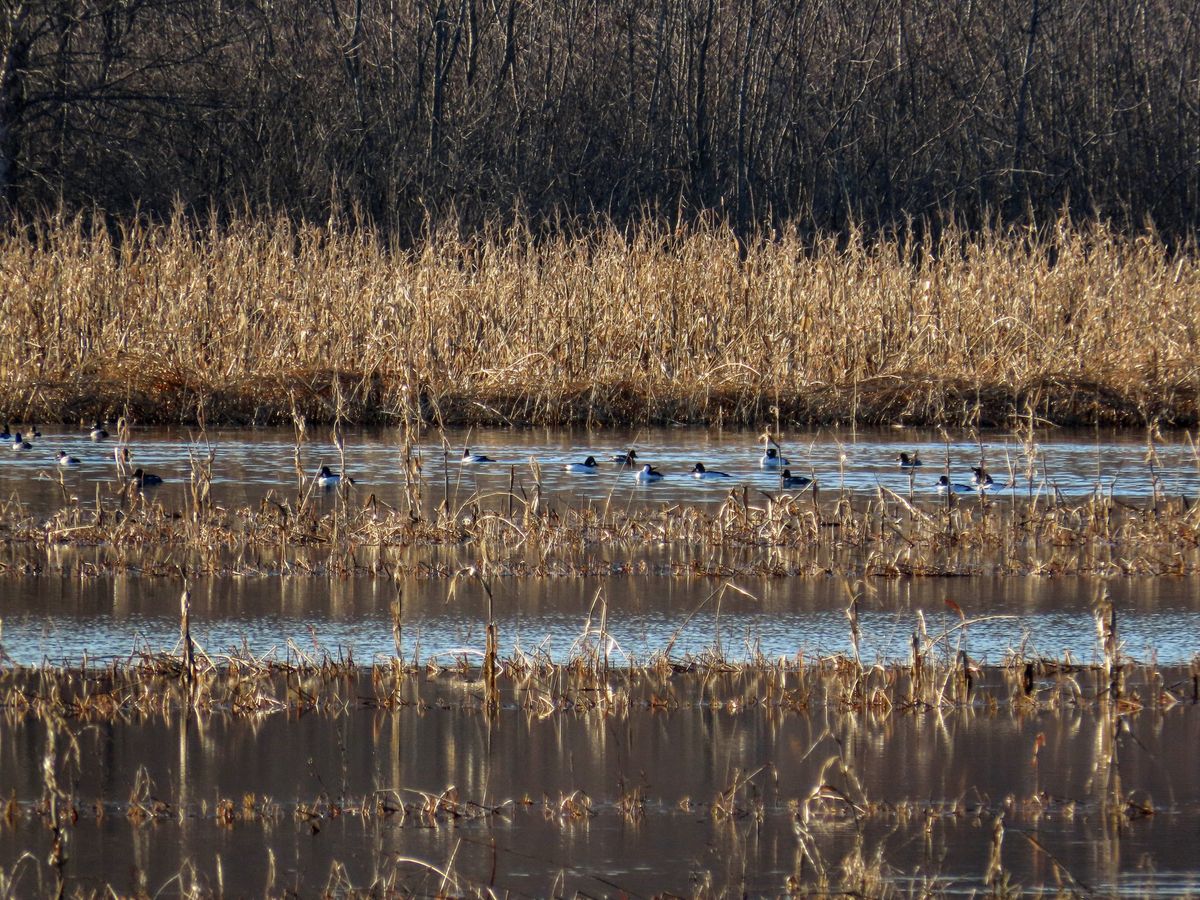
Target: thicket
{"points": [[404, 112]]}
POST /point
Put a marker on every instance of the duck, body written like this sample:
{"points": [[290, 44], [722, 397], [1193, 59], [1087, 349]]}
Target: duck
{"points": [[67, 461], [625, 459], [97, 433], [5, 435], [19, 443], [981, 479], [469, 457], [909, 462], [649, 474], [946, 486], [587, 467], [793, 481], [772, 460], [328, 478], [703, 474], [142, 478]]}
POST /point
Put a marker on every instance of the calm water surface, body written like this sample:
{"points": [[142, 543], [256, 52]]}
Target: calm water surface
{"points": [[63, 619], [934, 782], [934, 785], [250, 463]]}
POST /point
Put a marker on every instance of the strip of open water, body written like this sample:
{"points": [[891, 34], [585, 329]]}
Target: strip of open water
{"points": [[251, 463], [56, 619]]}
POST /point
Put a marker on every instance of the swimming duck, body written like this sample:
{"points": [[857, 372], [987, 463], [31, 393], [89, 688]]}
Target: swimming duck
{"points": [[5, 435], [625, 459], [909, 462], [981, 479], [19, 443], [945, 486], [144, 479], [793, 481], [649, 474], [97, 433], [587, 467], [64, 460], [772, 460], [703, 474], [328, 478], [469, 457]]}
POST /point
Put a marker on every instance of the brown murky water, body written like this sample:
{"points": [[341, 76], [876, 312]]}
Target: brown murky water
{"points": [[635, 801]]}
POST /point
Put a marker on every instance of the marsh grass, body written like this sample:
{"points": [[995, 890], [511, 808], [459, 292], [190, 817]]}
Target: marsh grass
{"points": [[761, 533], [266, 322], [192, 679], [153, 687]]}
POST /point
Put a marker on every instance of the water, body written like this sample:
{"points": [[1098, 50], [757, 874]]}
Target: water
{"points": [[63, 619], [341, 796], [250, 464], [542, 804]]}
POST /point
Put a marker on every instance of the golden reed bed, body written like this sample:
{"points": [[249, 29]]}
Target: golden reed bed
{"points": [[256, 321]]}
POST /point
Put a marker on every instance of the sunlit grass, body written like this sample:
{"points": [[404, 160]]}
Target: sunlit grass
{"points": [[761, 534], [71, 706], [257, 321]]}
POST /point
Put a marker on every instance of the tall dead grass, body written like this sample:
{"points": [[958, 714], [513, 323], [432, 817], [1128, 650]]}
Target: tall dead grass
{"points": [[256, 320], [769, 535]]}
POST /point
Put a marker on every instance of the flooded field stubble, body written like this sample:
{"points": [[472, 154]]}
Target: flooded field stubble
{"points": [[936, 777], [486, 684], [759, 532], [247, 503]]}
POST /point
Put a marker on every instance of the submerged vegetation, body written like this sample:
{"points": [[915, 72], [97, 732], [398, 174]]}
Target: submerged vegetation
{"points": [[256, 322]]}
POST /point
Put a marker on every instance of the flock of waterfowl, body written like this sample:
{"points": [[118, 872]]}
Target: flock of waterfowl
{"points": [[771, 460], [20, 443], [644, 473]]}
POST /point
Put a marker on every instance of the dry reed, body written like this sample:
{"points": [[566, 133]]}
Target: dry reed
{"points": [[240, 684], [154, 688], [765, 534], [264, 321]]}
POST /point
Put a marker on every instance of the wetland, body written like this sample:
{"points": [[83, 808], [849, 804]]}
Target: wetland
{"points": [[505, 678], [321, 328]]}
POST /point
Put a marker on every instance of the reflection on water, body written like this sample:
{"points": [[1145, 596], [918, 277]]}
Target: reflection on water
{"points": [[638, 801], [60, 619], [250, 463], [699, 797]]}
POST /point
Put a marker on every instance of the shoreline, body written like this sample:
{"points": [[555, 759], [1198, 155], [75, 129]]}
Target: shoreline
{"points": [[885, 401]]}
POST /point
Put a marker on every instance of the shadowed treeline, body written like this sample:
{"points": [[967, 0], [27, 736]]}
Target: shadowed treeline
{"points": [[825, 113]]}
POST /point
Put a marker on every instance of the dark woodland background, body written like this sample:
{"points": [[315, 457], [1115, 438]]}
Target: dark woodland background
{"points": [[817, 114]]}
